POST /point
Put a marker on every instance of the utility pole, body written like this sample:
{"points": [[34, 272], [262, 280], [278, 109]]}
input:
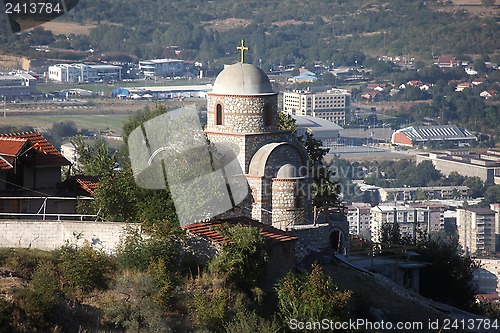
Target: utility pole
{"points": [[5, 106]]}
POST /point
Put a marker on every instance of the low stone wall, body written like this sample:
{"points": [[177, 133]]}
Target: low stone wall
{"points": [[50, 235]]}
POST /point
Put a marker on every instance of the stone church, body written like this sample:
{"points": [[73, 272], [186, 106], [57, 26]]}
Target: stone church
{"points": [[242, 111]]}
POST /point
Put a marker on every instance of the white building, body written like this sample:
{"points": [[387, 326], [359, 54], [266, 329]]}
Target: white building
{"points": [[476, 230], [162, 67], [331, 105], [84, 73], [410, 220], [359, 218]]}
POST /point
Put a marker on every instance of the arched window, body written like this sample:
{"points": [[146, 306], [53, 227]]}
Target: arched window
{"points": [[268, 115], [218, 114]]}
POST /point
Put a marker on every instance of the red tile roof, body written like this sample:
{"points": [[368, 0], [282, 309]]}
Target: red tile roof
{"points": [[4, 164], [87, 183], [11, 146], [208, 230], [48, 154]]}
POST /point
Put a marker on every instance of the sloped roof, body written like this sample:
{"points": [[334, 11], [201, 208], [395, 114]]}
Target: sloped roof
{"points": [[11, 146], [437, 132], [87, 183], [4, 164], [208, 230], [48, 155]]}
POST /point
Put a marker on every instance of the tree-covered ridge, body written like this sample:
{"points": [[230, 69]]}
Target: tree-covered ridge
{"points": [[279, 31]]}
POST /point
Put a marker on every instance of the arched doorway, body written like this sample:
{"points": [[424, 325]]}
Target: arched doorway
{"points": [[336, 241]]}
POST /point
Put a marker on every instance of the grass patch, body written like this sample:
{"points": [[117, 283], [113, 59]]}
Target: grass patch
{"points": [[91, 122]]}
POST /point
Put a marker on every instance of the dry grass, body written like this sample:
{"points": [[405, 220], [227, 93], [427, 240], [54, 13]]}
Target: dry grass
{"points": [[67, 28], [227, 24]]}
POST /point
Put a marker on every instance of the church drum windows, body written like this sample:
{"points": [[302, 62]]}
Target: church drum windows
{"points": [[268, 115], [218, 114]]}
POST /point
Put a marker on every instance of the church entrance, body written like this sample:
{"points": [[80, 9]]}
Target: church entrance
{"points": [[336, 241]]}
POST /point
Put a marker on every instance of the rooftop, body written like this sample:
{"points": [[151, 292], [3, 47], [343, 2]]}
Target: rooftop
{"points": [[208, 230], [49, 155], [242, 79]]}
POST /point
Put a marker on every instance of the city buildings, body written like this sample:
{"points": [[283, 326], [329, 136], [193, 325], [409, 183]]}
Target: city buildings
{"points": [[483, 165], [425, 135], [162, 67], [422, 193], [476, 230], [17, 85], [84, 73], [332, 105]]}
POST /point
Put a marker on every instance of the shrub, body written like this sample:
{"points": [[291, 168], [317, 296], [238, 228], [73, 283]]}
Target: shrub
{"points": [[42, 294], [83, 268], [249, 322], [311, 297], [136, 310], [243, 260], [5, 316], [137, 252]]}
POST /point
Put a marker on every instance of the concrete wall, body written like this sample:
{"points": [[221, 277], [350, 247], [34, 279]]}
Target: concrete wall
{"points": [[50, 235]]}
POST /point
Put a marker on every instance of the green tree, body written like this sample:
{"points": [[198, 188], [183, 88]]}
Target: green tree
{"points": [[94, 160], [449, 277], [492, 194], [243, 260], [311, 297], [476, 186]]}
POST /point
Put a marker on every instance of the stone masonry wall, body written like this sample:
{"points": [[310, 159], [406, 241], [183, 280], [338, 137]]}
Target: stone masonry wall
{"points": [[242, 114], [49, 235]]}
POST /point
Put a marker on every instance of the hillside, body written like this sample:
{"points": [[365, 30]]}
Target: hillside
{"points": [[374, 298], [279, 31]]}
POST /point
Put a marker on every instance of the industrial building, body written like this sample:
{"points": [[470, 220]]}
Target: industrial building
{"points": [[84, 73], [425, 135], [162, 67], [332, 105], [17, 85], [324, 130], [483, 165]]}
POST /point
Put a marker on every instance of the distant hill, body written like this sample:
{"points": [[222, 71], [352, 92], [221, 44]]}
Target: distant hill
{"points": [[285, 31]]}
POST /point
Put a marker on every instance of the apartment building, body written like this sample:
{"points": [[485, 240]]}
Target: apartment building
{"points": [[332, 105], [359, 218], [410, 219], [476, 230]]}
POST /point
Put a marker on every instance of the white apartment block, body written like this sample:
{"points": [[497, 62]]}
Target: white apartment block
{"points": [[162, 67], [476, 230], [487, 278], [359, 218], [84, 73], [410, 220], [331, 105]]}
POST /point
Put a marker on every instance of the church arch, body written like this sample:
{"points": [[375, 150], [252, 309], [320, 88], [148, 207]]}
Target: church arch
{"points": [[218, 114], [259, 160]]}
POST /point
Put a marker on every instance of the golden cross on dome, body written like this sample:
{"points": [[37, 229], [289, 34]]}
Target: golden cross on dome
{"points": [[242, 48]]}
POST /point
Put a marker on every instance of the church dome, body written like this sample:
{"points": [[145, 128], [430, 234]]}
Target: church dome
{"points": [[242, 79]]}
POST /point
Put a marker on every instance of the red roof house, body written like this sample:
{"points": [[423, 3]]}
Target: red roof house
{"points": [[29, 162]]}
